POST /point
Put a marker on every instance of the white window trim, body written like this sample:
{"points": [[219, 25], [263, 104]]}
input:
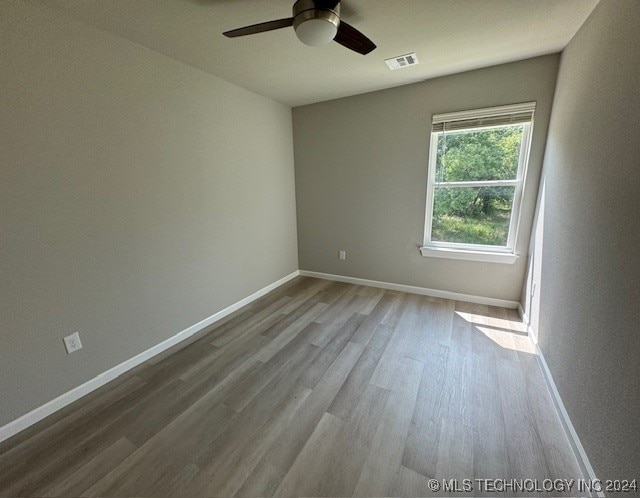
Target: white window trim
{"points": [[503, 110], [476, 252], [475, 255]]}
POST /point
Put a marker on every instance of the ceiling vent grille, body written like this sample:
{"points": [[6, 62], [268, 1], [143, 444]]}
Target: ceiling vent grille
{"points": [[402, 61]]}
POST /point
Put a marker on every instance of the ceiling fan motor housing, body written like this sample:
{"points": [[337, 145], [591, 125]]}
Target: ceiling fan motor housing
{"points": [[315, 26]]}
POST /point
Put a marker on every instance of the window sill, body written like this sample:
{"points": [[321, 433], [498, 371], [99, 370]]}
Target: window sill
{"points": [[483, 256]]}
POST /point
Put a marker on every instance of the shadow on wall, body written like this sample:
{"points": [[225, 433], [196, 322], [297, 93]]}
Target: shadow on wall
{"points": [[533, 284]]}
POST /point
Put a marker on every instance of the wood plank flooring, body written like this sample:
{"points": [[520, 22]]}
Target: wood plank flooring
{"points": [[317, 389]]}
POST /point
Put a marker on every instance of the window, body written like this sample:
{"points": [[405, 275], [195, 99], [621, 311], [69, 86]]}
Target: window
{"points": [[477, 165]]}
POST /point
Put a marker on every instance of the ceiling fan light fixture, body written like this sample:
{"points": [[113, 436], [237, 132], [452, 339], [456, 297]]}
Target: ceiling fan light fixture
{"points": [[316, 31], [315, 26]]}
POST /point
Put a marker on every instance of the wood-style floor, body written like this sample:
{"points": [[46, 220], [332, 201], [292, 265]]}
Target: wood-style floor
{"points": [[317, 389]]}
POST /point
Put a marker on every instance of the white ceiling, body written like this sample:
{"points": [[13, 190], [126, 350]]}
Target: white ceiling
{"points": [[448, 36]]}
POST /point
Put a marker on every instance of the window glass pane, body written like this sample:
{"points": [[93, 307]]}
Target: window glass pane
{"points": [[472, 215], [480, 154]]}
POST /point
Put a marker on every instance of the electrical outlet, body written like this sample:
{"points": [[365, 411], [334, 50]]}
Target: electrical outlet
{"points": [[343, 255], [72, 342]]}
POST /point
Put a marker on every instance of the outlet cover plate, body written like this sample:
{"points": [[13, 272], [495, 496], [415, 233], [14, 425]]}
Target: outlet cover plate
{"points": [[72, 342]]}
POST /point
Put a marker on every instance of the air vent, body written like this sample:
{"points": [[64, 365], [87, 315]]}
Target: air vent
{"points": [[402, 61]]}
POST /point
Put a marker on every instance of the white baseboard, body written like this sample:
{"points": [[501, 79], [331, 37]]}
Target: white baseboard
{"points": [[527, 322], [76, 393], [578, 450], [523, 314], [490, 301]]}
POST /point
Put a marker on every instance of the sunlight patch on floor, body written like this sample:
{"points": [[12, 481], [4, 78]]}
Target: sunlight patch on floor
{"points": [[506, 339], [506, 333], [476, 318]]}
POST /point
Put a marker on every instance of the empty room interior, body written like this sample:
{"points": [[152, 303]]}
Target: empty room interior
{"points": [[319, 248]]}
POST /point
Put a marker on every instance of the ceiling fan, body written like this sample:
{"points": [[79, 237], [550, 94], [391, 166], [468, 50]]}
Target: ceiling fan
{"points": [[316, 22]]}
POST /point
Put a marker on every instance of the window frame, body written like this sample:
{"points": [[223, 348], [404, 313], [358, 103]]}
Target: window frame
{"points": [[479, 252]]}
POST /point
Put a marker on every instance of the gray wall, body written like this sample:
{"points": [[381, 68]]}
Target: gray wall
{"points": [[585, 256], [138, 196], [361, 174]]}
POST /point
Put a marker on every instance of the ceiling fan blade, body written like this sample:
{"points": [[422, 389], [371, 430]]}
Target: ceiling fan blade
{"points": [[260, 28], [350, 37]]}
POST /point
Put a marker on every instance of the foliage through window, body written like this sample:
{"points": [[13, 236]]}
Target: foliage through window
{"points": [[476, 175]]}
